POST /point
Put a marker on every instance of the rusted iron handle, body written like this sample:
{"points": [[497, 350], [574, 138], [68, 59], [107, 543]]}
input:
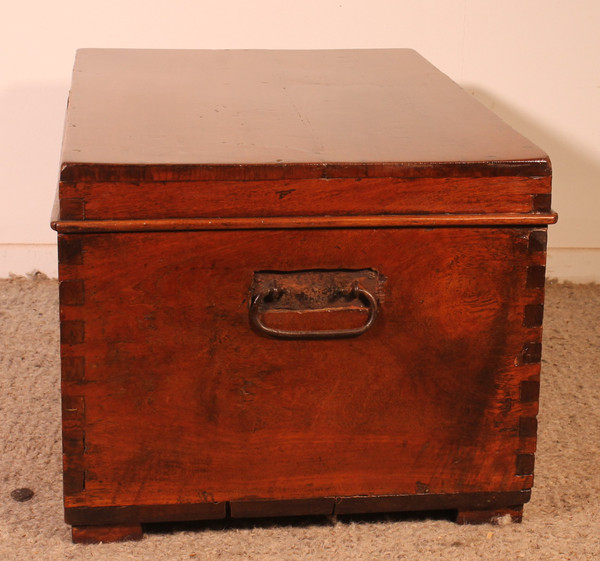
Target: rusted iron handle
{"points": [[356, 291]]}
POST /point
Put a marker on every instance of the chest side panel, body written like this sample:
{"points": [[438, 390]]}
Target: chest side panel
{"points": [[171, 397]]}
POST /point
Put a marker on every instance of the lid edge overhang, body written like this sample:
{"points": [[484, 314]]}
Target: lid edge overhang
{"points": [[307, 222], [107, 172]]}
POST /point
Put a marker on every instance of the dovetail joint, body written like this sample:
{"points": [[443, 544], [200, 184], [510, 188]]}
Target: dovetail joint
{"points": [[529, 391], [532, 353], [538, 240], [525, 464], [534, 315], [72, 209], [542, 202], [527, 427], [536, 276]]}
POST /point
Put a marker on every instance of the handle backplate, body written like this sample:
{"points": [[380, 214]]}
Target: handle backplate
{"points": [[308, 291]]}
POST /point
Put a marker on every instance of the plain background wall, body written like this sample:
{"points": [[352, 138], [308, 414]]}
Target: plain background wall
{"points": [[534, 62]]}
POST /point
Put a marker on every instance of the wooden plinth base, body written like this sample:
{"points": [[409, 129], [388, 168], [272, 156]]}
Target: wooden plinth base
{"points": [[105, 534], [111, 524], [130, 532]]}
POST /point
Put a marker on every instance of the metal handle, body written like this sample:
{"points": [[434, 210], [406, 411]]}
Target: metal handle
{"points": [[356, 292]]}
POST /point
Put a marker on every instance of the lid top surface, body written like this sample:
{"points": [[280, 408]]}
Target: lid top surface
{"points": [[236, 108]]}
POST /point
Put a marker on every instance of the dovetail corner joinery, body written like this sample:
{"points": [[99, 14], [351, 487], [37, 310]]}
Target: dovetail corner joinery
{"points": [[72, 336], [530, 355]]}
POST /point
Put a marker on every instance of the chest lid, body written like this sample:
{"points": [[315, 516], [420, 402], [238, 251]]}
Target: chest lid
{"points": [[176, 139]]}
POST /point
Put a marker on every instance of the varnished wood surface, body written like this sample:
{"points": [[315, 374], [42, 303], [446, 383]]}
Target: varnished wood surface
{"points": [[324, 506], [178, 399], [137, 114], [302, 222], [426, 501], [308, 197], [192, 179], [136, 513]]}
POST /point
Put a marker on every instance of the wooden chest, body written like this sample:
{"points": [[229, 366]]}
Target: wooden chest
{"points": [[294, 282]]}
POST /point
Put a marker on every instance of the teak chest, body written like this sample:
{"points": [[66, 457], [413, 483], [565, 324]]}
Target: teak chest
{"points": [[294, 282]]}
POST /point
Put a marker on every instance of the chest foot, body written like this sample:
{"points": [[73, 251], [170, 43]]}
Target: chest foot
{"points": [[106, 534], [491, 516]]}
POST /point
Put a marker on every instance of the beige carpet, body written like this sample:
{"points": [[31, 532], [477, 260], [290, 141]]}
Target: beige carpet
{"points": [[562, 521]]}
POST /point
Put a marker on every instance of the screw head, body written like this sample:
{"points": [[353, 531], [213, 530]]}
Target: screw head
{"points": [[21, 495]]}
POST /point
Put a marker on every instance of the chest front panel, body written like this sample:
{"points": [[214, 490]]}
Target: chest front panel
{"points": [[185, 400]]}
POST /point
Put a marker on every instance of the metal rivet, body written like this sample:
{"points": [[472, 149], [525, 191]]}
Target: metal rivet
{"points": [[22, 495]]}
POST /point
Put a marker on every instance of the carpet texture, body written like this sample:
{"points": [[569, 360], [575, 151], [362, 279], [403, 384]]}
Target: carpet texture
{"points": [[562, 521]]}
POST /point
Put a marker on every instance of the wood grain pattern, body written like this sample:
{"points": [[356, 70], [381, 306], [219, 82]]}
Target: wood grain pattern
{"points": [[299, 507], [115, 173], [325, 506], [238, 115], [72, 332], [134, 514], [420, 502], [190, 177], [306, 197], [258, 419]]}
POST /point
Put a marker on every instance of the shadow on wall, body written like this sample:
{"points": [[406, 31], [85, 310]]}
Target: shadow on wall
{"points": [[576, 176], [32, 118]]}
